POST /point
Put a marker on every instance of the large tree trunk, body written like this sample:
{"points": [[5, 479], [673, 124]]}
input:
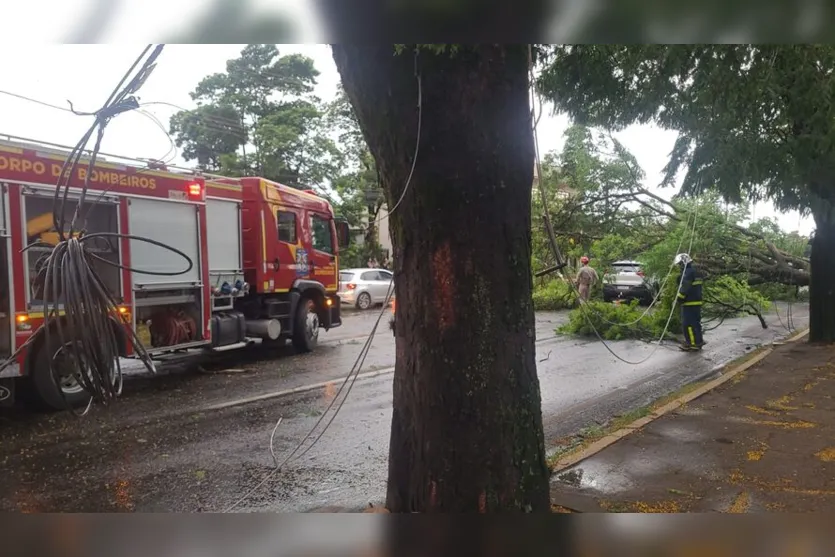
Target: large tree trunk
{"points": [[822, 279], [466, 430]]}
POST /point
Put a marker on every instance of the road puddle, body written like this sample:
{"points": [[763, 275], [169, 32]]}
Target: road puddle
{"points": [[601, 478]]}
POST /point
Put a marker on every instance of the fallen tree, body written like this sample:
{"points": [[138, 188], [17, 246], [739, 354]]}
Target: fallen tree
{"points": [[753, 122], [599, 207]]}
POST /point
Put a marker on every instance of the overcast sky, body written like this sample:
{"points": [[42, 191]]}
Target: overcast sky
{"points": [[85, 75]]}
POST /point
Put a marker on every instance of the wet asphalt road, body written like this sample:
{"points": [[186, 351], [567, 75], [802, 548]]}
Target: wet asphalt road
{"points": [[171, 445]]}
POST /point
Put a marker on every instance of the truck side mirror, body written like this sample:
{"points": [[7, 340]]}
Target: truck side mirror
{"points": [[342, 233]]}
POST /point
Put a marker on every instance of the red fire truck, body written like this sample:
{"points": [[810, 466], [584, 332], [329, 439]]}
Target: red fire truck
{"points": [[265, 262]]}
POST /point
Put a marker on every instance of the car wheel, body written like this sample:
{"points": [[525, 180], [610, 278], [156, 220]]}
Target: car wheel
{"points": [[364, 300], [306, 326]]}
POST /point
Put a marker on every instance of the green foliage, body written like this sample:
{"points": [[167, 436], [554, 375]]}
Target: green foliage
{"points": [[358, 255], [296, 147], [360, 194], [614, 247], [756, 121], [782, 292], [726, 296], [709, 231], [436, 48], [618, 321], [259, 118], [590, 188], [554, 295], [617, 219], [207, 133]]}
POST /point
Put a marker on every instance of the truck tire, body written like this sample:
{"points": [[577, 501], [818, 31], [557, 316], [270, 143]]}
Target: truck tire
{"points": [[306, 326], [46, 392]]}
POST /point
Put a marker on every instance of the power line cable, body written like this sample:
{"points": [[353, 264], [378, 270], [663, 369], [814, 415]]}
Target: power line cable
{"points": [[348, 381], [556, 250], [351, 378], [36, 101], [658, 294], [86, 332], [417, 143], [71, 111], [666, 326]]}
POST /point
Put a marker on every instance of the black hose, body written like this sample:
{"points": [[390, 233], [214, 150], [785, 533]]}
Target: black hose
{"points": [[86, 333]]}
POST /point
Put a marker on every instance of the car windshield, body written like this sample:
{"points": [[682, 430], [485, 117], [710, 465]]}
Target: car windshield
{"points": [[626, 268]]}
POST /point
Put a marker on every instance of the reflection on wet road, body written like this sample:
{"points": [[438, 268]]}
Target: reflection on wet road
{"points": [[174, 443]]}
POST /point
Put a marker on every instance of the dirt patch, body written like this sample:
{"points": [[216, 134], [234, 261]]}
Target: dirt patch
{"points": [[760, 444]]}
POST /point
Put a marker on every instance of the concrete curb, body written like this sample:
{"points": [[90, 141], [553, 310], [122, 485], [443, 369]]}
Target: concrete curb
{"points": [[574, 458]]}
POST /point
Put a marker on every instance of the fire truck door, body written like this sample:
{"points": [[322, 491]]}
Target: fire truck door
{"points": [[6, 310], [288, 259], [323, 251]]}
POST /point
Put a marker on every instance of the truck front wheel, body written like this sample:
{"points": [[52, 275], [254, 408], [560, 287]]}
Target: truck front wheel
{"points": [[306, 326]]}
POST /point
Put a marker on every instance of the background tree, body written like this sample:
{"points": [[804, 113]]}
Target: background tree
{"points": [[594, 192], [603, 211], [207, 133], [466, 425], [755, 122], [260, 117], [358, 189]]}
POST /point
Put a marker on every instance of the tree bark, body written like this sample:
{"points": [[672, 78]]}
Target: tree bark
{"points": [[822, 280], [466, 431]]}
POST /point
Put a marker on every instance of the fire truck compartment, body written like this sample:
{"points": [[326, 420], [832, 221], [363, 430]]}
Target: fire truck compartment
{"points": [[6, 331], [223, 239], [172, 223], [169, 305], [223, 236], [101, 215]]}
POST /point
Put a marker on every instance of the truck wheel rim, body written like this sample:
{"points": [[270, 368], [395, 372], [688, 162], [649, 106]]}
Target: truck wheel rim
{"points": [[312, 324], [67, 382]]}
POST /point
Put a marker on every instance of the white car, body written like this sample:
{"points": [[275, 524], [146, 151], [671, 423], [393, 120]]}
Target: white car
{"points": [[364, 288], [627, 281]]}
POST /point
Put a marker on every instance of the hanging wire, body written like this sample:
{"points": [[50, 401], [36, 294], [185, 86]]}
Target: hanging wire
{"points": [[388, 213], [660, 291], [666, 326], [348, 382], [168, 157], [356, 368], [546, 216], [85, 335]]}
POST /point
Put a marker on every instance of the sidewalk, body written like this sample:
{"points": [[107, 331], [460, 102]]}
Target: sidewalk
{"points": [[763, 441]]}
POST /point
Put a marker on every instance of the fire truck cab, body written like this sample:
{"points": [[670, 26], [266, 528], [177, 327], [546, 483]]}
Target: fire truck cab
{"points": [[264, 263]]}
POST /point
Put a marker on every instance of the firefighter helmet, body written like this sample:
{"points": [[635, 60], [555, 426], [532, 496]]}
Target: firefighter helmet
{"points": [[584, 260], [682, 259]]}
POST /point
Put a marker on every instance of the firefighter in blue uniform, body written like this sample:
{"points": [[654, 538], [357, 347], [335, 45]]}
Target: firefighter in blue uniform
{"points": [[690, 300]]}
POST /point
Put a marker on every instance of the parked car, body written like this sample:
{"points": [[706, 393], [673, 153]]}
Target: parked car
{"points": [[364, 288], [627, 281]]}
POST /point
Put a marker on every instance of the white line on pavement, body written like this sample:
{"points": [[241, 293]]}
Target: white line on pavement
{"points": [[285, 392]]}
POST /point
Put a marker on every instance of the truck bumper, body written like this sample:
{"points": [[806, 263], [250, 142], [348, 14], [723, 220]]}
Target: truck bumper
{"points": [[333, 313]]}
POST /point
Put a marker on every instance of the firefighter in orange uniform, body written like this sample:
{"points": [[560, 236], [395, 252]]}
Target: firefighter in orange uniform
{"points": [[586, 278]]}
